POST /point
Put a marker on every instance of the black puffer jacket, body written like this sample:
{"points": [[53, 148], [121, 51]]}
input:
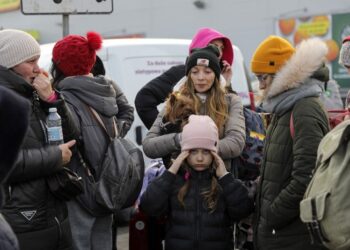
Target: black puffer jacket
{"points": [[14, 114], [125, 115], [155, 92], [195, 227], [30, 208]]}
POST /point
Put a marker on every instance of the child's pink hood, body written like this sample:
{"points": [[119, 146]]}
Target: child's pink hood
{"points": [[205, 35]]}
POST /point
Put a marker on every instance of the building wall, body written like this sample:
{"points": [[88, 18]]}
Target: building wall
{"points": [[245, 22]]}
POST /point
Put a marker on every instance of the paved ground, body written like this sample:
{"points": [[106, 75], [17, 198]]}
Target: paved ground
{"points": [[123, 238]]}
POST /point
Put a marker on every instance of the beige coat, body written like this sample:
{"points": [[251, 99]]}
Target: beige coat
{"points": [[231, 142]]}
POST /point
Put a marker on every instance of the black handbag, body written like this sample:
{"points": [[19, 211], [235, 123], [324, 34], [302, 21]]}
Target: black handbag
{"points": [[65, 184]]}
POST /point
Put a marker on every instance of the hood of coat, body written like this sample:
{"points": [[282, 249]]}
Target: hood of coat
{"points": [[307, 62], [205, 35], [96, 92]]}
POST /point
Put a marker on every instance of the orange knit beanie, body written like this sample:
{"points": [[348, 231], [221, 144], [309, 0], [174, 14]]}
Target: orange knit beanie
{"points": [[271, 54]]}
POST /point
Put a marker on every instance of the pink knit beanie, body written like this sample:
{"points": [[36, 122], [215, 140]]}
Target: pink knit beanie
{"points": [[200, 132]]}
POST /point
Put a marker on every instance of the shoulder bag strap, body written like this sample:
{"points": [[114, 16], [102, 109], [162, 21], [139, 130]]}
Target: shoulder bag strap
{"points": [[99, 120], [291, 125]]}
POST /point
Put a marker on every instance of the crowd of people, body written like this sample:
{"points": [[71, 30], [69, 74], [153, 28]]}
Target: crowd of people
{"points": [[198, 133]]}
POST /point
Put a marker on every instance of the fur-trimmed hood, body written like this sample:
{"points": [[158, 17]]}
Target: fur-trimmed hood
{"points": [[310, 55]]}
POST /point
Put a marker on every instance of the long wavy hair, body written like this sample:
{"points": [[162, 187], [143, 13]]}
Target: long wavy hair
{"points": [[56, 73], [209, 195], [215, 106]]}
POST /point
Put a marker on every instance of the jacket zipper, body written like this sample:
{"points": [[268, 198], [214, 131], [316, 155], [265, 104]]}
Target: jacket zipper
{"points": [[258, 203], [59, 231], [43, 128], [35, 103], [198, 214], [10, 192]]}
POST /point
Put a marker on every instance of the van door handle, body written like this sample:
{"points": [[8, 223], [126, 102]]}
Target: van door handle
{"points": [[138, 135]]}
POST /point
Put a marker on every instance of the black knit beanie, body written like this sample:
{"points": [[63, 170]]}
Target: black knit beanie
{"points": [[208, 56]]}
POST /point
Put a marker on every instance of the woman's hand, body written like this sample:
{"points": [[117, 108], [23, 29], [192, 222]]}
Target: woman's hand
{"points": [[226, 71], [43, 86], [219, 165], [174, 168], [66, 152]]}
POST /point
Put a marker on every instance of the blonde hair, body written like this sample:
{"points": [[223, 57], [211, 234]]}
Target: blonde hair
{"points": [[215, 106]]}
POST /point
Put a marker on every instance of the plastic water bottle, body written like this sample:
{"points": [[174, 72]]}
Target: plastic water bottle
{"points": [[54, 127]]}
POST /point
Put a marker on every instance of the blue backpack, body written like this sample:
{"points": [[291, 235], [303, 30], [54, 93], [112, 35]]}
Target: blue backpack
{"points": [[247, 165], [247, 168]]}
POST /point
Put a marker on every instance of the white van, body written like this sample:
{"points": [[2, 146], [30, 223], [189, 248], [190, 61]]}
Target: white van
{"points": [[131, 63]]}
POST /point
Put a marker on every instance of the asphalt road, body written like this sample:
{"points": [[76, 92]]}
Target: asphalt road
{"points": [[123, 238]]}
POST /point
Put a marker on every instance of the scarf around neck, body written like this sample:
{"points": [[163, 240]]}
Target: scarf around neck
{"points": [[283, 102]]}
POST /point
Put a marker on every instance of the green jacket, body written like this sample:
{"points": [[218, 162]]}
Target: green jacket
{"points": [[289, 160], [287, 170]]}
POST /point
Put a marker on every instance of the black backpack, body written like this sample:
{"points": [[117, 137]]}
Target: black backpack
{"points": [[120, 176]]}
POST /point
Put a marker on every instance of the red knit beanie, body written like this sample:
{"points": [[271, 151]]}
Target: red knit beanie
{"points": [[76, 55]]}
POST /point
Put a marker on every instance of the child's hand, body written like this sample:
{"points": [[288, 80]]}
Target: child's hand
{"points": [[178, 162], [220, 165]]}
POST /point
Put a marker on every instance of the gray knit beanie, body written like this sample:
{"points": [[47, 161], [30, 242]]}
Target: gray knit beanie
{"points": [[16, 47]]}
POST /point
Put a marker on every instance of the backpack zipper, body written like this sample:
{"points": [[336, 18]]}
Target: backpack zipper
{"points": [[10, 192], [59, 231]]}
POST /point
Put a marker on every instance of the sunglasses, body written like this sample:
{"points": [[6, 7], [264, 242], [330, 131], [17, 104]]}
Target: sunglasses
{"points": [[263, 77]]}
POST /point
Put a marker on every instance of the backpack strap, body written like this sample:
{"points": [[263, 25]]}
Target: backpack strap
{"points": [[99, 120], [315, 230], [291, 126]]}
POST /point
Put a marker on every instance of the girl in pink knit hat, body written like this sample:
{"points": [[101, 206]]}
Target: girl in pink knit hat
{"points": [[198, 195]]}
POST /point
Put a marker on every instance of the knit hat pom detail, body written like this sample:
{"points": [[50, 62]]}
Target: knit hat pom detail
{"points": [[94, 40], [75, 54]]}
